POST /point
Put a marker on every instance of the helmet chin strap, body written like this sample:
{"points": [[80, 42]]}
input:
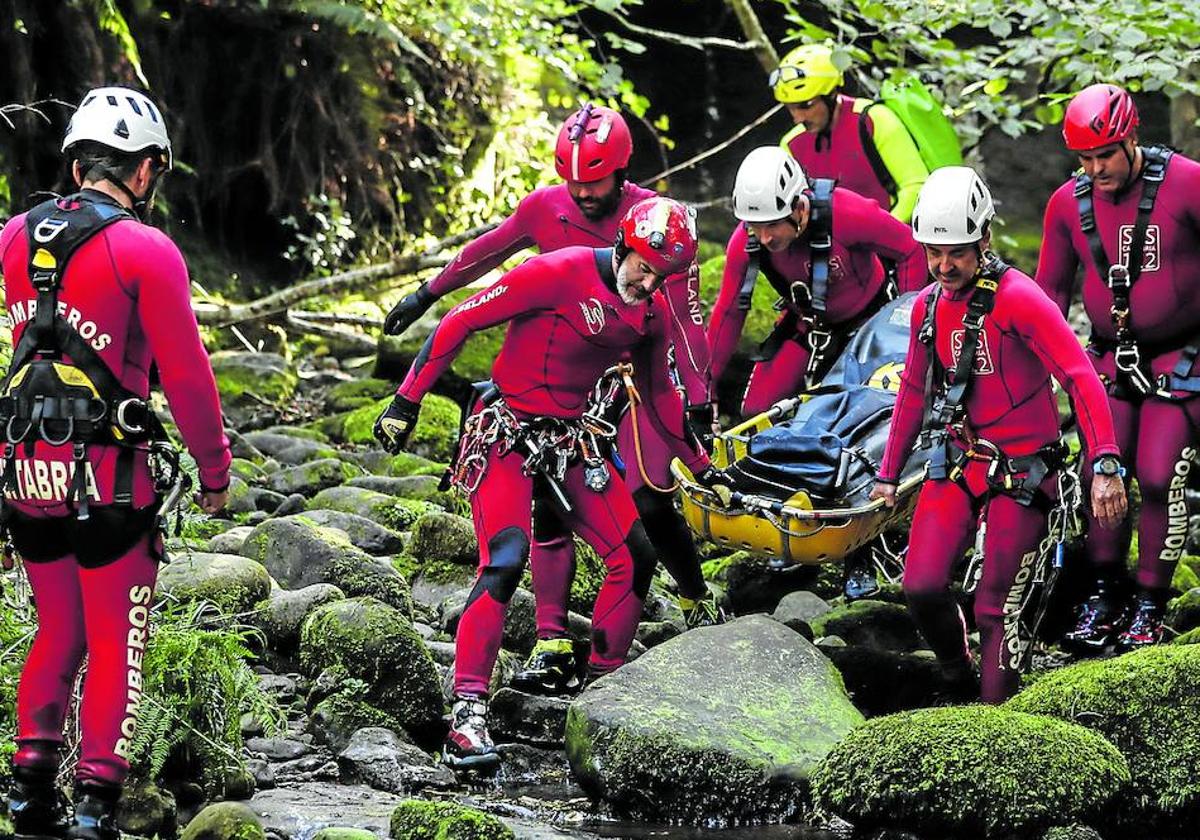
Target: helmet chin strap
{"points": [[140, 206]]}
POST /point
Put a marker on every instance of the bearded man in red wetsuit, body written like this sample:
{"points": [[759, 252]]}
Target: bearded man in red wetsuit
{"points": [[989, 340], [95, 298], [592, 155], [572, 314], [1130, 220]]}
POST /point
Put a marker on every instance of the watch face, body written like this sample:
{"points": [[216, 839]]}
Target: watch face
{"points": [[1108, 466]]}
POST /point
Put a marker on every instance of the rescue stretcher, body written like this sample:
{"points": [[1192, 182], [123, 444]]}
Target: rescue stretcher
{"points": [[794, 528]]}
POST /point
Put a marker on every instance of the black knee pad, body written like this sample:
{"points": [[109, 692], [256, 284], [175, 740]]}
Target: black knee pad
{"points": [[507, 553], [644, 559]]}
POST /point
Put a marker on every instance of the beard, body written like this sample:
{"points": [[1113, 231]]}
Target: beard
{"points": [[594, 209], [628, 293]]}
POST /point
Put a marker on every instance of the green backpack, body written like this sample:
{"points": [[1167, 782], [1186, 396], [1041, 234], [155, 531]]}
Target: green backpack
{"points": [[922, 115]]}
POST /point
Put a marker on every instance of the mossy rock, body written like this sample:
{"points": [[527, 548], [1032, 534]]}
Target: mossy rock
{"points": [[871, 623], [297, 432], [1146, 703], [378, 645], [246, 378], [364, 533], [202, 528], [298, 553], [232, 583], [1183, 613], [247, 471], [388, 511], [336, 718], [282, 614], [657, 742], [312, 477], [435, 434], [972, 771], [146, 810], [406, 463], [444, 538], [1185, 578], [225, 821], [750, 585], [347, 396], [419, 819]]}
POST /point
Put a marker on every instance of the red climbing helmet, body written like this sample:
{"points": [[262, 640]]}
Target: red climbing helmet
{"points": [[662, 231], [1099, 115], [594, 142]]}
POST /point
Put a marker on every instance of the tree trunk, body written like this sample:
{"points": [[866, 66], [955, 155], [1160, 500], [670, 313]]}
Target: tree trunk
{"points": [[764, 50]]}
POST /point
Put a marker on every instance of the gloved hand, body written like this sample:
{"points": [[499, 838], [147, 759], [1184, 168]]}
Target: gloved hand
{"points": [[395, 425], [718, 481], [702, 420], [411, 307]]}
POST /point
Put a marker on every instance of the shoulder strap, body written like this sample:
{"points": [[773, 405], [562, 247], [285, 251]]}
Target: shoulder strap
{"points": [[1154, 170], [867, 141], [746, 289], [981, 303], [820, 241]]}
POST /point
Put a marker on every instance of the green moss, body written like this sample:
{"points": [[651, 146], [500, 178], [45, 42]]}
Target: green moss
{"points": [[247, 471], [345, 713], [406, 463], [872, 623], [434, 436], [225, 821], [1146, 704], [332, 426], [233, 584], [418, 819], [298, 432], [347, 396], [246, 378], [359, 577], [973, 771], [389, 511], [203, 528]]}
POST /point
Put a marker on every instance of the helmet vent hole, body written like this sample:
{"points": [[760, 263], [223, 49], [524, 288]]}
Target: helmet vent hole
{"points": [[112, 100], [133, 104]]}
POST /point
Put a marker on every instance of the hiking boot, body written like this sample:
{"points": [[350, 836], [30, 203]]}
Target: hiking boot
{"points": [[38, 809], [468, 745], [703, 612], [861, 582], [550, 670], [1146, 626], [95, 812], [1101, 618]]}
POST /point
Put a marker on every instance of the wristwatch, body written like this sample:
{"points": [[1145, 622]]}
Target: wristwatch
{"points": [[1108, 465]]}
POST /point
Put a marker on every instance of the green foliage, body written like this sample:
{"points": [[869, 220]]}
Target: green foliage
{"points": [[417, 819], [198, 684], [1011, 65], [974, 771], [17, 624]]}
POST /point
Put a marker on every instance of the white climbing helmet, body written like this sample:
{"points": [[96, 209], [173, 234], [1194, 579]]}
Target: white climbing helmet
{"points": [[767, 185], [954, 208], [120, 118]]}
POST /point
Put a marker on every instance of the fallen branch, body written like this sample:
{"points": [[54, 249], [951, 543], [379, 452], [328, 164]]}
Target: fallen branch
{"points": [[356, 340], [335, 318], [222, 315], [676, 38]]}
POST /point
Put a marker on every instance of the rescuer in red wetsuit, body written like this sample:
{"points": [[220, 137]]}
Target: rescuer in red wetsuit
{"points": [[996, 420], [775, 203], [571, 314], [83, 517], [591, 156], [1145, 323]]}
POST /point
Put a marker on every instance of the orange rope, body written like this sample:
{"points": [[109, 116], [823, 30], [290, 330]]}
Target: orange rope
{"points": [[626, 371]]}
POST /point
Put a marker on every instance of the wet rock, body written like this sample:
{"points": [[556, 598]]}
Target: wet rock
{"points": [[529, 765], [231, 582], [881, 681], [516, 716], [444, 538], [651, 633], [972, 771], [277, 749], [298, 553], [264, 776], [282, 615], [875, 624], [389, 511], [225, 821], [800, 606], [340, 833], [750, 584], [230, 542], [520, 625], [312, 477], [364, 533], [336, 718], [294, 503], [377, 757], [146, 810], [287, 812], [421, 487], [418, 819], [253, 386], [288, 449], [656, 741], [376, 644]]}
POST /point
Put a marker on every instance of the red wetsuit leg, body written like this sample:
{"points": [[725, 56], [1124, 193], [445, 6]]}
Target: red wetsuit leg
{"points": [[1010, 557], [777, 378], [116, 603], [44, 693], [1106, 548], [1165, 452], [552, 562], [500, 508], [943, 527], [608, 521]]}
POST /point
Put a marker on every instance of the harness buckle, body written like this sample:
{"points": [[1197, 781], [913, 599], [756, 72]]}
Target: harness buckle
{"points": [[801, 295], [1118, 277], [123, 423]]}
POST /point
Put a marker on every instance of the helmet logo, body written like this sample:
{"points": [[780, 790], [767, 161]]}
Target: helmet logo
{"points": [[593, 315], [1096, 124], [47, 229], [122, 130], [604, 130]]}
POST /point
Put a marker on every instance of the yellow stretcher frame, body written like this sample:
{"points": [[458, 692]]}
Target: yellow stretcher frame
{"points": [[792, 530]]}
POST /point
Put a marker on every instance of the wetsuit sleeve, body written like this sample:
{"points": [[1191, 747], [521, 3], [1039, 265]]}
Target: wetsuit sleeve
{"points": [[526, 289], [910, 402], [1046, 332], [488, 251], [900, 155], [725, 327], [887, 236], [682, 293], [660, 400], [1058, 260], [164, 308]]}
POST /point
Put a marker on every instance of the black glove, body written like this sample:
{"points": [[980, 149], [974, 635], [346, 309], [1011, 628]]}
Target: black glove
{"points": [[701, 419], [715, 479], [395, 425], [411, 307]]}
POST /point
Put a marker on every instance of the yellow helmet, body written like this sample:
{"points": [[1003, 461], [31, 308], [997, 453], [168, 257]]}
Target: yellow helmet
{"points": [[805, 73]]}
